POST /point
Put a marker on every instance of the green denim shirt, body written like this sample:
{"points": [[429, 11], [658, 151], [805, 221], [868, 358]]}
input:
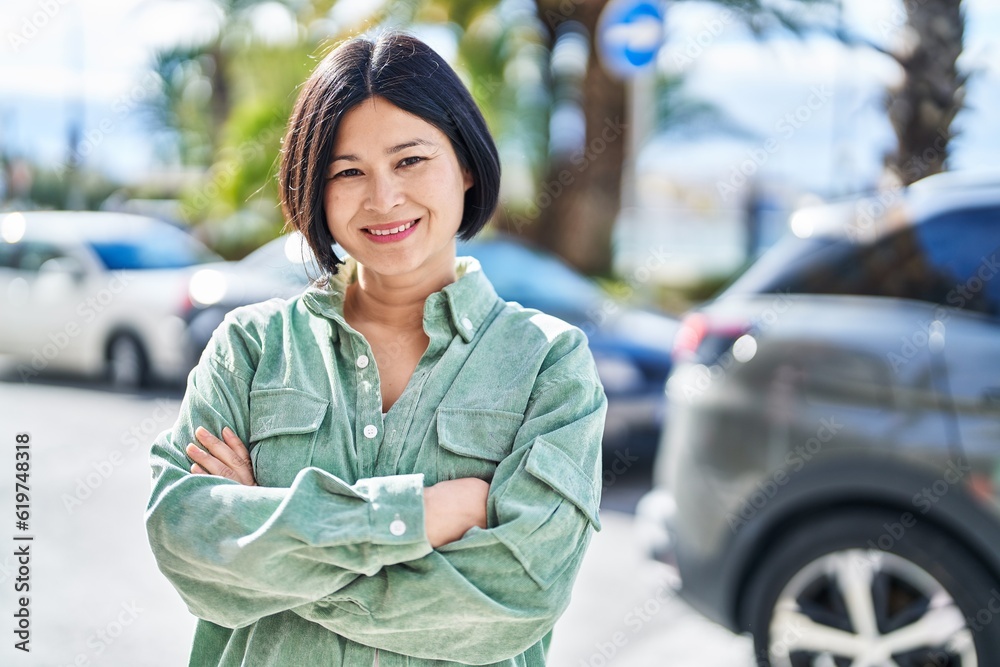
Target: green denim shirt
{"points": [[326, 562]]}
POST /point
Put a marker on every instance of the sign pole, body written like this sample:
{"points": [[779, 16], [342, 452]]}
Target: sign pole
{"points": [[630, 34]]}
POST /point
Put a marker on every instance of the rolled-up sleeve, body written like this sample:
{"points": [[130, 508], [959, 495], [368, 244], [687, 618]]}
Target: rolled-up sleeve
{"points": [[238, 553], [497, 591]]}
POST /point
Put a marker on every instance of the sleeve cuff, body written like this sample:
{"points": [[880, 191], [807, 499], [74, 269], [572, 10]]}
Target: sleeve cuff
{"points": [[396, 516]]}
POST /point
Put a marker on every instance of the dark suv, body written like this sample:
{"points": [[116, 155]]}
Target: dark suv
{"points": [[828, 478]]}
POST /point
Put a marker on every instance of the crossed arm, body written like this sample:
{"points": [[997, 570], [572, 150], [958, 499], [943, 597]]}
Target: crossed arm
{"points": [[451, 507]]}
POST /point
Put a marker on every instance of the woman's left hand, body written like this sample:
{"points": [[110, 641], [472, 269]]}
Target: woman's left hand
{"points": [[227, 458]]}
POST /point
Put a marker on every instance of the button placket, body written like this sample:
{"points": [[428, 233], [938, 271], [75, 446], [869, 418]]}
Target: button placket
{"points": [[368, 402]]}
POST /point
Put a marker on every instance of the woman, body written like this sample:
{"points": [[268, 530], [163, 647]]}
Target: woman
{"points": [[422, 470]]}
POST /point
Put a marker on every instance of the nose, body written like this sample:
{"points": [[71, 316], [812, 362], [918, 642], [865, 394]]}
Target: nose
{"points": [[384, 193]]}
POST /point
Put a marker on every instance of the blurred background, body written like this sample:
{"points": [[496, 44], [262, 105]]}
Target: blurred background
{"points": [[776, 220]]}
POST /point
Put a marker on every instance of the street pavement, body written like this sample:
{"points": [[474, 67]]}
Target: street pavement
{"points": [[623, 612], [97, 598]]}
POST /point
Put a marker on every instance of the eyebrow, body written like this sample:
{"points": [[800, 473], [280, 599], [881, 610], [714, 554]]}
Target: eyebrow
{"points": [[390, 151]]}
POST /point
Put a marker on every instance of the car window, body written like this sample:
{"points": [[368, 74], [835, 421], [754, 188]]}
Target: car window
{"points": [[286, 258], [159, 248], [936, 261], [964, 248], [892, 266], [9, 255], [792, 265], [34, 254]]}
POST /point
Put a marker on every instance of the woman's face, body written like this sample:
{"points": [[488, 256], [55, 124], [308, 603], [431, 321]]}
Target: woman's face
{"points": [[395, 190]]}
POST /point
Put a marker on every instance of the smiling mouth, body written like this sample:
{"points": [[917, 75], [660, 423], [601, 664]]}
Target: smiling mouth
{"points": [[395, 230]]}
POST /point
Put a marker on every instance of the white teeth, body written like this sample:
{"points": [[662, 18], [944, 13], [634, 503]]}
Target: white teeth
{"points": [[386, 232]]}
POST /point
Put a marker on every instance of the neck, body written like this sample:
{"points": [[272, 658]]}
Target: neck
{"points": [[394, 301]]}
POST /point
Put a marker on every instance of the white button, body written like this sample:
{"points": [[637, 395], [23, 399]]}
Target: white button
{"points": [[397, 527], [467, 323], [363, 361], [371, 431]]}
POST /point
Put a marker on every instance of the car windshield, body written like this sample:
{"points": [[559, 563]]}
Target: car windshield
{"points": [[932, 261], [287, 257], [157, 248], [780, 268]]}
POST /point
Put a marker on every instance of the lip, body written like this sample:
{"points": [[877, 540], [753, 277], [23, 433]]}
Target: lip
{"points": [[390, 225], [392, 238]]}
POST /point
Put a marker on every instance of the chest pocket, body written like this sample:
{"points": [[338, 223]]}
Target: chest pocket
{"points": [[284, 424], [472, 442]]}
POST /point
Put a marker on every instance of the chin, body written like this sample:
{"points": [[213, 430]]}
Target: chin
{"points": [[391, 263]]}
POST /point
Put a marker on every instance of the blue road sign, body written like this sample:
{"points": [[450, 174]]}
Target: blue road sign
{"points": [[629, 35]]}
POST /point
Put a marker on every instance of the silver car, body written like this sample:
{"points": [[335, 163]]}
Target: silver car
{"points": [[103, 294], [828, 481]]}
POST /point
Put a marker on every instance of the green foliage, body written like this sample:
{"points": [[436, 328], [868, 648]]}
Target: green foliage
{"points": [[243, 174], [183, 102], [50, 188]]}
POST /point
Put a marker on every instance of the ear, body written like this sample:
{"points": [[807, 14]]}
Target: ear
{"points": [[467, 178]]}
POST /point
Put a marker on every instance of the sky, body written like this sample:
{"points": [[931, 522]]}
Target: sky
{"points": [[56, 54]]}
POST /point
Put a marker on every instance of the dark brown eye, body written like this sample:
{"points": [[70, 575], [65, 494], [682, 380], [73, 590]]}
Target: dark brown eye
{"points": [[409, 161]]}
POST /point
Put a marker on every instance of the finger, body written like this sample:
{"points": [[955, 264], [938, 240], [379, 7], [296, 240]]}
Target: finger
{"points": [[208, 463], [238, 448], [220, 450], [241, 463], [198, 470], [234, 465]]}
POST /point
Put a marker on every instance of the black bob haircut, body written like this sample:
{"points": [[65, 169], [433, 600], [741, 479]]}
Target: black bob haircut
{"points": [[406, 72]]}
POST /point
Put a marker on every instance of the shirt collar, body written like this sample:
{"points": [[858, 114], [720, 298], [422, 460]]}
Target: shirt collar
{"points": [[464, 304]]}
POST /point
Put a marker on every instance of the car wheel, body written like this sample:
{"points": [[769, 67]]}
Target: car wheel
{"points": [[127, 368], [873, 588]]}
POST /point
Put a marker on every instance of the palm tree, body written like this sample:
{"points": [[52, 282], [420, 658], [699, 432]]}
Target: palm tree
{"points": [[577, 217], [932, 91]]}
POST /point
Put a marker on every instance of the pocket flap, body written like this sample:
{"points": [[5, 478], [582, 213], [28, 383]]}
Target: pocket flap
{"points": [[284, 410], [553, 466], [481, 434]]}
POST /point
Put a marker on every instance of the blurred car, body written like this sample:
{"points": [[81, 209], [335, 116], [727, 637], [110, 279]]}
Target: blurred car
{"points": [[828, 477], [280, 268], [96, 293], [631, 346]]}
